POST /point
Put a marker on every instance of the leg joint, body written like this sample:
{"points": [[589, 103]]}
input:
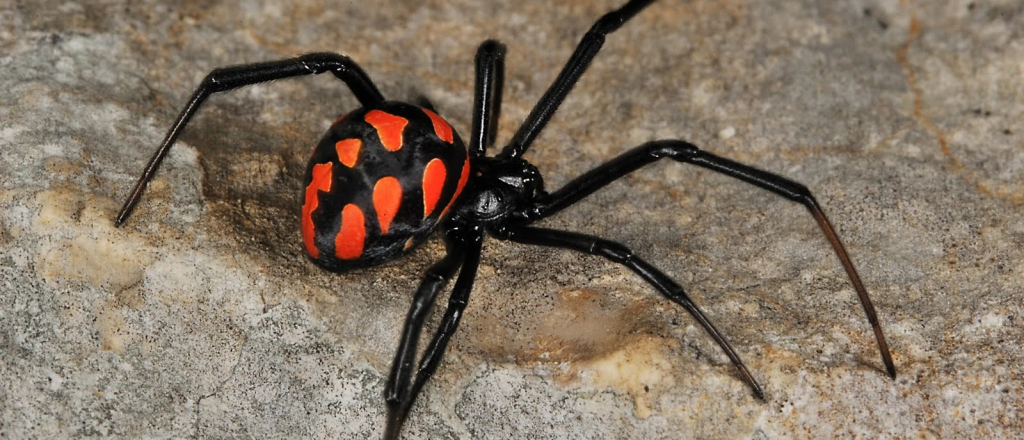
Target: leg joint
{"points": [[678, 150], [611, 250], [434, 276]]}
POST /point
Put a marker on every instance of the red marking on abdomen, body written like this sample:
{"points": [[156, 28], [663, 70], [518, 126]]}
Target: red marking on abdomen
{"points": [[348, 151], [348, 244], [319, 181], [433, 182], [458, 189], [389, 128], [441, 128], [387, 197]]}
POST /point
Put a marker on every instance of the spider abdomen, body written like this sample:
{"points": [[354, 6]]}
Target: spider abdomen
{"points": [[378, 183]]}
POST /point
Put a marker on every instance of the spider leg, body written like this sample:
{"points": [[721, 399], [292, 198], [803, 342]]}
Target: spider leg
{"points": [[397, 389], [490, 75], [622, 255], [449, 323], [233, 77], [570, 74], [682, 151]]}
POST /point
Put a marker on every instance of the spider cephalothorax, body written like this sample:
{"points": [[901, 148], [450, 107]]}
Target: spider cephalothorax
{"points": [[501, 187], [388, 174]]}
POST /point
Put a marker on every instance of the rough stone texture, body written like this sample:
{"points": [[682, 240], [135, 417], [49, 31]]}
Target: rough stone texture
{"points": [[201, 317]]}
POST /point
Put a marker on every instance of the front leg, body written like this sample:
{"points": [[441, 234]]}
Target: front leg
{"points": [[580, 59], [233, 77], [490, 75], [682, 151]]}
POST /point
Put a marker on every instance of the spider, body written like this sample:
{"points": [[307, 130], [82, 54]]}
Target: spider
{"points": [[386, 175]]}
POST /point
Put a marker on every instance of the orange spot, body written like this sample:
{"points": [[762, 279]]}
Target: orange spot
{"points": [[458, 189], [348, 151], [441, 128], [433, 181], [462, 179], [389, 128], [387, 196], [348, 244], [320, 181]]}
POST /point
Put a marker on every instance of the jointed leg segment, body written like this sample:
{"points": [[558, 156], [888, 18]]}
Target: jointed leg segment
{"points": [[686, 152], [585, 52], [622, 255], [490, 75], [397, 389], [464, 252], [230, 78]]}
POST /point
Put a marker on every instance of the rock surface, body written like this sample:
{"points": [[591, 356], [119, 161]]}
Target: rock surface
{"points": [[201, 317]]}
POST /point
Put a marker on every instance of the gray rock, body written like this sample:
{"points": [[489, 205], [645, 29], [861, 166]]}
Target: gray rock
{"points": [[201, 317]]}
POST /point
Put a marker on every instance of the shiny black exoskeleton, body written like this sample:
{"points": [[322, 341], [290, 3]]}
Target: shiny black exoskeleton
{"points": [[501, 188], [399, 165]]}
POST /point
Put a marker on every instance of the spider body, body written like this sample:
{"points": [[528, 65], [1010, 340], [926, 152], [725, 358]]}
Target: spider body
{"points": [[378, 184], [387, 174]]}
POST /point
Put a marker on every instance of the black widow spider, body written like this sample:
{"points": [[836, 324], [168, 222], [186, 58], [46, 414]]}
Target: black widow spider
{"points": [[377, 181]]}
